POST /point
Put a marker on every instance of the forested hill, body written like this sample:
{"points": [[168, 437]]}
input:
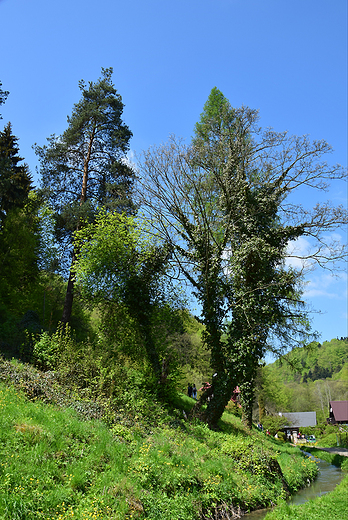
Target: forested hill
{"points": [[317, 361], [307, 379]]}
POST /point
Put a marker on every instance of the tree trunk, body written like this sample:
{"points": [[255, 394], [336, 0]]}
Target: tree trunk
{"points": [[247, 398], [216, 397], [69, 296]]}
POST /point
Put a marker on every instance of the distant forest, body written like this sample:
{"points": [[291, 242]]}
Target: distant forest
{"points": [[307, 379]]}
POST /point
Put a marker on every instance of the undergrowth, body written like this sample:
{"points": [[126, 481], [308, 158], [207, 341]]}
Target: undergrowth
{"points": [[63, 457]]}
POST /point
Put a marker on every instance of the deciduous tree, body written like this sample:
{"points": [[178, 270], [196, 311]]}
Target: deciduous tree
{"points": [[120, 268], [222, 205]]}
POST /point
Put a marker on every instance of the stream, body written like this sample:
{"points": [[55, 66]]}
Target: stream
{"points": [[326, 481]]}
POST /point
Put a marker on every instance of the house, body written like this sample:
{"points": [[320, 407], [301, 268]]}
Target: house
{"points": [[298, 420], [338, 412]]}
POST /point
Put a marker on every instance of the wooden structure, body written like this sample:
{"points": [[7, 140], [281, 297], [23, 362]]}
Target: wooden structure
{"points": [[338, 412], [298, 420]]}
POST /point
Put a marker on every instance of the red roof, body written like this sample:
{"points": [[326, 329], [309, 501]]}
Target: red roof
{"points": [[340, 410]]}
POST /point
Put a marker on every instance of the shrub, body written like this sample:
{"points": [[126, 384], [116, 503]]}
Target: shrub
{"points": [[274, 423]]}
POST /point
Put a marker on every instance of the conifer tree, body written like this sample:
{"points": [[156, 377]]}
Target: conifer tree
{"points": [[86, 166], [19, 240], [15, 178]]}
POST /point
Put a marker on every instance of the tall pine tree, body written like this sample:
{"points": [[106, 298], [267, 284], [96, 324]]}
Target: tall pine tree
{"points": [[86, 166]]}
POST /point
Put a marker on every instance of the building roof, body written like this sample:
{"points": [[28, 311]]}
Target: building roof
{"points": [[301, 419], [339, 410]]}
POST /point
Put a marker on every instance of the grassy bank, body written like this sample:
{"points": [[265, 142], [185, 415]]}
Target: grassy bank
{"points": [[333, 458], [56, 464], [334, 506]]}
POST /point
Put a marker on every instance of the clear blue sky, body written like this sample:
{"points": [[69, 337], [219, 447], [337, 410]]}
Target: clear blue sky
{"points": [[287, 59]]}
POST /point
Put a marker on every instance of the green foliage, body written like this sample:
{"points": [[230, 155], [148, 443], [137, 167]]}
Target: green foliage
{"points": [[19, 281], [19, 238], [274, 423], [50, 350], [313, 362], [15, 179], [214, 133], [332, 505], [98, 174], [282, 387], [121, 268]]}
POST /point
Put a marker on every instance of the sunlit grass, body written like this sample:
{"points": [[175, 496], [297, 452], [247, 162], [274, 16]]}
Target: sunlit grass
{"points": [[333, 506], [54, 465]]}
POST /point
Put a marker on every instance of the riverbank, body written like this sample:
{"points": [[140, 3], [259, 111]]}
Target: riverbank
{"points": [[333, 505], [336, 451]]}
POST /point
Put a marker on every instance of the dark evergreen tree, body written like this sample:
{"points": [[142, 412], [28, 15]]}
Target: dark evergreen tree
{"points": [[86, 166], [15, 178], [19, 238]]}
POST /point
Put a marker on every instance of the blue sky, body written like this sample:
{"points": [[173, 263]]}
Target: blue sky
{"points": [[287, 59]]}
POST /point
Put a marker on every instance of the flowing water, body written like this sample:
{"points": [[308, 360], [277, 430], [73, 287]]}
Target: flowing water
{"points": [[326, 481]]}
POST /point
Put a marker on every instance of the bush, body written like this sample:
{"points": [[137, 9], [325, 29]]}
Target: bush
{"points": [[274, 423]]}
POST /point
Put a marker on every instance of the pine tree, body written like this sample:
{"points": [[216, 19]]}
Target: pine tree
{"points": [[86, 166]]}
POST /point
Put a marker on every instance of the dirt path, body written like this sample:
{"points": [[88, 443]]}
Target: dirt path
{"points": [[338, 450]]}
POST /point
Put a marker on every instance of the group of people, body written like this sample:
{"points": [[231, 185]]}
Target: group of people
{"points": [[192, 391], [260, 427]]}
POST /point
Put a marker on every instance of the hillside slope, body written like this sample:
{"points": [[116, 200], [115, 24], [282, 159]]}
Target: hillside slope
{"points": [[133, 462]]}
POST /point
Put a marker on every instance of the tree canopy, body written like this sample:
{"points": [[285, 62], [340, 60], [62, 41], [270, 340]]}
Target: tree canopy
{"points": [[221, 204], [86, 166]]}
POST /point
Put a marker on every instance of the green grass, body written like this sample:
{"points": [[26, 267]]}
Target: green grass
{"points": [[333, 506], [333, 458], [56, 465]]}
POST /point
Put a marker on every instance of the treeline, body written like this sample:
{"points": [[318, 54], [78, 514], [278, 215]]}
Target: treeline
{"points": [[284, 387], [99, 262], [316, 361]]}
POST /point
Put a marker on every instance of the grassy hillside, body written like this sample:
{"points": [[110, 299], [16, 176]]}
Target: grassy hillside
{"points": [[64, 456]]}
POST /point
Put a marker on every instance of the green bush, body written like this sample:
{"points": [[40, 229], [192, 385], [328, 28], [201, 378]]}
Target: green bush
{"points": [[274, 423]]}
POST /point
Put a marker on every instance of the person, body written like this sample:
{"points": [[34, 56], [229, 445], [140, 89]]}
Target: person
{"points": [[194, 391], [189, 390]]}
